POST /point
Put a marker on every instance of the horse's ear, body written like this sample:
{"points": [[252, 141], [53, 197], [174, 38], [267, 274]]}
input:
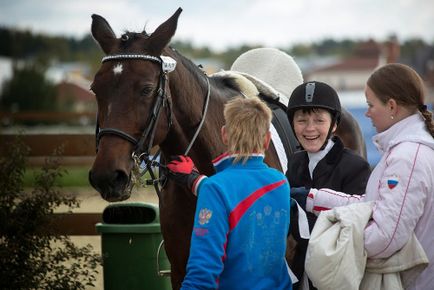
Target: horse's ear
{"points": [[162, 35], [103, 33]]}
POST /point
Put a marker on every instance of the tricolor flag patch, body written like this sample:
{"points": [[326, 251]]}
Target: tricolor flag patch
{"points": [[392, 183]]}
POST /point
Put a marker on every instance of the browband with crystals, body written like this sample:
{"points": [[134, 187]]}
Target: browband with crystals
{"points": [[131, 56], [168, 64]]}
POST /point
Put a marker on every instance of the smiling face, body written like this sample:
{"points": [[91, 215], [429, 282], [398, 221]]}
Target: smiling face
{"points": [[311, 128]]}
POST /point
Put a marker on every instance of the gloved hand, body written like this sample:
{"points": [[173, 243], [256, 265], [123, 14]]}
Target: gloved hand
{"points": [[182, 170], [300, 195]]}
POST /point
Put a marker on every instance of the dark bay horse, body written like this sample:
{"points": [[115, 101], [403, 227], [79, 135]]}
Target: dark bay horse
{"points": [[143, 103]]}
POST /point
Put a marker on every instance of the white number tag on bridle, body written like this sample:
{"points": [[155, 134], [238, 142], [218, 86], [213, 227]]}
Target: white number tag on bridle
{"points": [[168, 65]]}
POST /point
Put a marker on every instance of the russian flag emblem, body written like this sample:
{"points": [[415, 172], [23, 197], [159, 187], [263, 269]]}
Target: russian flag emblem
{"points": [[392, 183]]}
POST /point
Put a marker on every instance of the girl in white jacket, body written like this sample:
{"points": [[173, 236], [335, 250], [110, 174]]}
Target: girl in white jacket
{"points": [[402, 183]]}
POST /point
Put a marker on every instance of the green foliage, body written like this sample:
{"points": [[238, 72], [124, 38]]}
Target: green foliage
{"points": [[412, 47], [229, 56], [32, 255], [75, 176], [43, 48], [19, 44], [28, 90]]}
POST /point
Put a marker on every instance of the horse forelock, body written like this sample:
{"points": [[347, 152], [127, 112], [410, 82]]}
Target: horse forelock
{"points": [[132, 43], [144, 32]]}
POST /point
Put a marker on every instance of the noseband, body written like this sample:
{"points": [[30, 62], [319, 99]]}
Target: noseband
{"points": [[162, 100]]}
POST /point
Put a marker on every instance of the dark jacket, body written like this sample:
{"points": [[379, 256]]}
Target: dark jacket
{"points": [[341, 170]]}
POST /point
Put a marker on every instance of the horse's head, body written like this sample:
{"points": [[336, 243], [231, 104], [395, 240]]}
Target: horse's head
{"points": [[134, 106]]}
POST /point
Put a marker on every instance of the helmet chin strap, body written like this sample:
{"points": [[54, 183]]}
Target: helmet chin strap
{"points": [[332, 124]]}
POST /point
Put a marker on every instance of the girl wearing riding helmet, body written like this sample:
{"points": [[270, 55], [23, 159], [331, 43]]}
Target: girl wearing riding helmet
{"points": [[314, 112]]}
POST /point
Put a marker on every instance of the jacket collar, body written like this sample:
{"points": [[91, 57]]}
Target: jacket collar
{"points": [[411, 129], [225, 160], [335, 151]]}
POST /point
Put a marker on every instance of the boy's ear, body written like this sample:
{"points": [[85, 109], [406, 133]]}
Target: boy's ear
{"points": [[224, 135], [267, 140]]}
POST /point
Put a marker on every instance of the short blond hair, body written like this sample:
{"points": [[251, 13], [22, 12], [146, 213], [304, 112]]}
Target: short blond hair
{"points": [[247, 124]]}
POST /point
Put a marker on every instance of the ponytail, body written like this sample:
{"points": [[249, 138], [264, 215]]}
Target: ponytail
{"points": [[427, 115]]}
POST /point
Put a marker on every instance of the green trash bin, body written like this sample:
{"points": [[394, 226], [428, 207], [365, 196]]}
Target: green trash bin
{"points": [[131, 241]]}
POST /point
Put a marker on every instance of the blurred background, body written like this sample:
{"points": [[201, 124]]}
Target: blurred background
{"points": [[48, 59]]}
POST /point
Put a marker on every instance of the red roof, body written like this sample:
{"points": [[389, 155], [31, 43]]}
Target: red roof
{"points": [[353, 63], [78, 93], [365, 56]]}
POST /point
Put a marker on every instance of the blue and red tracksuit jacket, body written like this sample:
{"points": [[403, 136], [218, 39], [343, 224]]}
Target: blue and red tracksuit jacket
{"points": [[240, 228]]}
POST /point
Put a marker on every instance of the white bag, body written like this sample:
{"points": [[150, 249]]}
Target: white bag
{"points": [[336, 257]]}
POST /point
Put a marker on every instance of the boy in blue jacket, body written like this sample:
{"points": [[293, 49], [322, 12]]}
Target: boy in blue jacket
{"points": [[243, 211]]}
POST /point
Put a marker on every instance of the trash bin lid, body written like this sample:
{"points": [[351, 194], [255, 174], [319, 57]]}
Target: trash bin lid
{"points": [[131, 213], [104, 228]]}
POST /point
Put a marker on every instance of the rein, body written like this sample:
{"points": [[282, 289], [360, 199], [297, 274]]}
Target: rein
{"points": [[141, 152]]}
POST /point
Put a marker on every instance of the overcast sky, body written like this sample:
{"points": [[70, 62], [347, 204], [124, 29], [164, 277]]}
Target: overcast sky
{"points": [[225, 23]]}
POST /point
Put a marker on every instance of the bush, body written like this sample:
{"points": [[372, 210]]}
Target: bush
{"points": [[32, 255], [28, 90]]}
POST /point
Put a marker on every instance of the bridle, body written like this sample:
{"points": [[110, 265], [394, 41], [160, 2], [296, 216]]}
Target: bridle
{"points": [[141, 153]]}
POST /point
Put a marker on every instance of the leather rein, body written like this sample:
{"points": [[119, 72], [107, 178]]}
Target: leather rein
{"points": [[141, 153]]}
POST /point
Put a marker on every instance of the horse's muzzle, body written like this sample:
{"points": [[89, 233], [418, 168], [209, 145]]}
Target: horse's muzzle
{"points": [[113, 186]]}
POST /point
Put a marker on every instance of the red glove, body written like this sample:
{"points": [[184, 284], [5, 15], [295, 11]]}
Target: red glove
{"points": [[182, 170]]}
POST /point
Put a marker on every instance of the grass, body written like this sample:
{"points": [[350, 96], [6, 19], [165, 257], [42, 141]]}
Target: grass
{"points": [[74, 176]]}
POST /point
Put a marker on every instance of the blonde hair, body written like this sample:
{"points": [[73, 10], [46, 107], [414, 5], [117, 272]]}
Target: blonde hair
{"points": [[247, 124]]}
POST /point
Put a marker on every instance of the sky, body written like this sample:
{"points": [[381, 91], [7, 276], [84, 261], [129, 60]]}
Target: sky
{"points": [[220, 24]]}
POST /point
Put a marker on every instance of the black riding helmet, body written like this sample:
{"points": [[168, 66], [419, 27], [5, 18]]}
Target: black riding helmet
{"points": [[315, 95]]}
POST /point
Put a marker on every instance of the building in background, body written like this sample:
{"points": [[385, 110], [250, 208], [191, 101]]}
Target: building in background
{"points": [[351, 73], [348, 75], [73, 94], [5, 70]]}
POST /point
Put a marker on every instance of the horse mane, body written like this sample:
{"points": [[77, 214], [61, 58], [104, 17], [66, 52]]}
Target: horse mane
{"points": [[218, 80], [230, 81], [187, 63]]}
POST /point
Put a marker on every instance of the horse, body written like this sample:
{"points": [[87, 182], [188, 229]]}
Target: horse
{"points": [[144, 101]]}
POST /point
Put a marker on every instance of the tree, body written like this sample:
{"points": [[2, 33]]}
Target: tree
{"points": [[32, 256], [28, 90]]}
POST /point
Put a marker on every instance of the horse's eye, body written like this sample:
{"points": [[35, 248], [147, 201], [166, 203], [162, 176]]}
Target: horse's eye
{"points": [[146, 91]]}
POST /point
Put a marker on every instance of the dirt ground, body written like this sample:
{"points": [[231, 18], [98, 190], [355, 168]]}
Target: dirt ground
{"points": [[91, 202]]}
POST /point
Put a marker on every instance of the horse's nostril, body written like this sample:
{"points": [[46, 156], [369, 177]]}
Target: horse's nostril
{"points": [[120, 178], [93, 182], [113, 185]]}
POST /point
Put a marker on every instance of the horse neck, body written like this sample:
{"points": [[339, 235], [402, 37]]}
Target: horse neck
{"points": [[189, 88]]}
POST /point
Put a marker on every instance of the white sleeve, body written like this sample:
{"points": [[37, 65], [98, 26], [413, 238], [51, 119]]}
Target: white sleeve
{"points": [[324, 199]]}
